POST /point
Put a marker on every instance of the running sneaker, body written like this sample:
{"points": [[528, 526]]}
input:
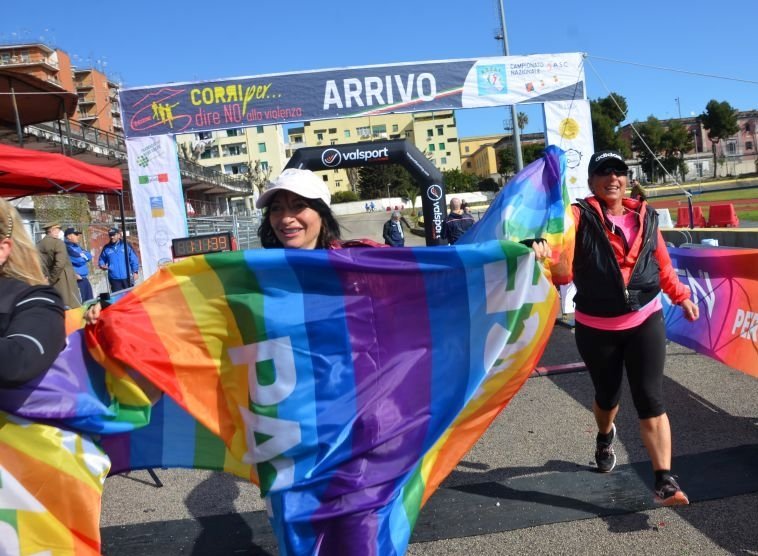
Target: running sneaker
{"points": [[605, 457], [669, 493]]}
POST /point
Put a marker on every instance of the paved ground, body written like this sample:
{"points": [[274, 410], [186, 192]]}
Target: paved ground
{"points": [[527, 487]]}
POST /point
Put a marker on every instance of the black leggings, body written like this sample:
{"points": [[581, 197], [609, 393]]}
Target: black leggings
{"points": [[642, 350]]}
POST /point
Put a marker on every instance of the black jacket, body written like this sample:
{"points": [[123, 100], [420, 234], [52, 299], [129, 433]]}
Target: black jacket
{"points": [[32, 330], [456, 225], [600, 288], [392, 235]]}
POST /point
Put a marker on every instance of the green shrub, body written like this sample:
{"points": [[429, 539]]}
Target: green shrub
{"points": [[344, 197]]}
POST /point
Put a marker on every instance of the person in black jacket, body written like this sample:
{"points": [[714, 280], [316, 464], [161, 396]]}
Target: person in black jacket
{"points": [[393, 231], [32, 330], [457, 222]]}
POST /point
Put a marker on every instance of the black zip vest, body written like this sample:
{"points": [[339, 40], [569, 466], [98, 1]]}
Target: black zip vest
{"points": [[600, 288]]}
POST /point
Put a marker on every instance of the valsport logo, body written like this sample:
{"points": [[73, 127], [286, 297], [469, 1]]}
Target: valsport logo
{"points": [[331, 158], [434, 192]]}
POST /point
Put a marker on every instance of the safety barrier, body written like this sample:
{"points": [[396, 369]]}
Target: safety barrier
{"points": [[723, 216], [683, 217]]}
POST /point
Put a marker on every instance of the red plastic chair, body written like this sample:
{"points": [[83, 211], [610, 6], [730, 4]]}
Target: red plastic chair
{"points": [[723, 216]]}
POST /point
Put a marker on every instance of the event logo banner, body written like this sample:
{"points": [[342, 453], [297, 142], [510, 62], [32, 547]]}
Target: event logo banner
{"points": [[348, 92], [568, 125], [724, 284], [158, 199]]}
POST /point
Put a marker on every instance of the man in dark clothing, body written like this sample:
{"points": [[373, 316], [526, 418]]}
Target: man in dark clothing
{"points": [[457, 222], [393, 231]]}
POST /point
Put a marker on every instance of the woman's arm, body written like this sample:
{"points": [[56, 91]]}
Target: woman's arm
{"points": [[670, 284], [34, 337]]}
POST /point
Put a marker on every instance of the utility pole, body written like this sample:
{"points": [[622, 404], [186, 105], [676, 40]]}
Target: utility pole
{"points": [[514, 116], [678, 107]]}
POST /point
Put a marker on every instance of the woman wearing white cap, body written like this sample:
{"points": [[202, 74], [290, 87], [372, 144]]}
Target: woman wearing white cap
{"points": [[296, 214]]}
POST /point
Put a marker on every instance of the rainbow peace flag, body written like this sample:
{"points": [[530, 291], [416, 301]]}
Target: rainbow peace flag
{"points": [[347, 384], [533, 204]]}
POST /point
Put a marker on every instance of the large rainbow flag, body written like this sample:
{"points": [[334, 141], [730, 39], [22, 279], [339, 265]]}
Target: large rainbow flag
{"points": [[347, 384]]}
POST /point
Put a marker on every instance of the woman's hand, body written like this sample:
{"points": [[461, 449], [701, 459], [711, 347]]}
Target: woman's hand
{"points": [[93, 313], [541, 250], [691, 311]]}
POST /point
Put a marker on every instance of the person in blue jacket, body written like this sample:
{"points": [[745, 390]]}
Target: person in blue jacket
{"points": [[112, 259], [79, 259]]}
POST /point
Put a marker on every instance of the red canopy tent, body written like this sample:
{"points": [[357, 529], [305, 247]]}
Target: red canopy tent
{"points": [[28, 172]]}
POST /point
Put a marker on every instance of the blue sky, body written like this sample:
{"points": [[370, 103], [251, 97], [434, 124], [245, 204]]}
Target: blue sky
{"points": [[144, 42]]}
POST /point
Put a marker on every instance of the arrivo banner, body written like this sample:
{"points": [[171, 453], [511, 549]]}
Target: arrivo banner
{"points": [[354, 91], [724, 284]]}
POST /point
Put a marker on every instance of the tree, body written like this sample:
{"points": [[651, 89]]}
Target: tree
{"points": [[675, 142], [459, 182], [354, 179], [376, 180], [523, 120], [606, 118], [648, 145], [506, 161], [720, 119], [257, 176], [532, 151]]}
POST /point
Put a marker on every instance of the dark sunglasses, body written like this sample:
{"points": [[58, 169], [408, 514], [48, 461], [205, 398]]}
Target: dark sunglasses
{"points": [[608, 170]]}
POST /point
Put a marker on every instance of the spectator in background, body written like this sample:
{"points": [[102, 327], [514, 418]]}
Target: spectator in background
{"points": [[79, 260], [113, 260], [393, 231], [57, 266], [638, 192], [457, 222]]}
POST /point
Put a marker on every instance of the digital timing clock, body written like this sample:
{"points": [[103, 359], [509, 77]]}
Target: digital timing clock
{"points": [[202, 244]]}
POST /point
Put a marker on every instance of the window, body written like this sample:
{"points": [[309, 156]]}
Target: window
{"points": [[259, 129], [430, 133], [332, 130], [234, 132], [264, 165], [261, 147], [443, 160], [731, 148], [748, 145], [468, 164], [338, 184], [465, 149], [325, 178], [234, 150], [699, 169], [394, 127], [203, 135], [347, 134], [319, 136], [363, 132], [442, 146], [432, 147], [440, 130], [333, 142], [379, 129]]}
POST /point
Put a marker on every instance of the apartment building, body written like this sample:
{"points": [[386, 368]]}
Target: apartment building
{"points": [[98, 102], [236, 151], [434, 133], [735, 155], [478, 155]]}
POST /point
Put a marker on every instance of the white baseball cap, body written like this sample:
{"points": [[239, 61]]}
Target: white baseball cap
{"points": [[301, 182]]}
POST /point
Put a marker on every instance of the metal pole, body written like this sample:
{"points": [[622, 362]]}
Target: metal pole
{"points": [[18, 119], [129, 280], [514, 114]]}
